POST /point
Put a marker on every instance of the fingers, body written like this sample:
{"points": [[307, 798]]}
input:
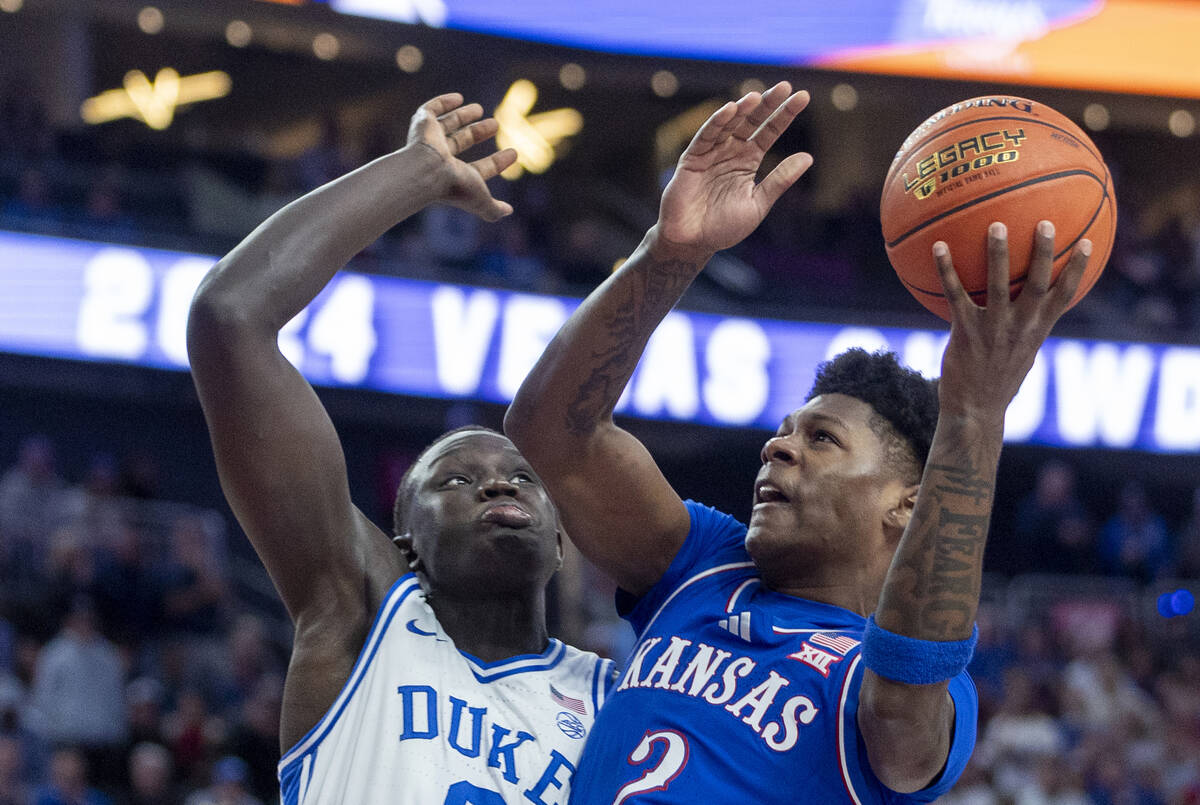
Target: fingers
{"points": [[473, 134], [952, 286], [461, 116], [780, 179], [780, 119], [1067, 284], [706, 137], [443, 103], [772, 99], [722, 124], [494, 164], [997, 263]]}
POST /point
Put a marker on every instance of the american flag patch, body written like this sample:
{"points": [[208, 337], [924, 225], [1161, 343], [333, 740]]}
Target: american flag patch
{"points": [[566, 701], [838, 643]]}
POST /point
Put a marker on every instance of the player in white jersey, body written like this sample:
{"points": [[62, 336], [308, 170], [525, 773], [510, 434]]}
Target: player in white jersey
{"points": [[421, 671], [818, 654]]}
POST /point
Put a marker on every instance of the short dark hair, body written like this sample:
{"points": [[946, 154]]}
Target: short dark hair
{"points": [[905, 402], [403, 491]]}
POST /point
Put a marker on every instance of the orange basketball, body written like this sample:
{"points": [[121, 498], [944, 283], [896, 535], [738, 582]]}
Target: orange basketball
{"points": [[994, 158]]}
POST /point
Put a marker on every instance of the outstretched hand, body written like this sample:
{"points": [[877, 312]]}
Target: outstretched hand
{"points": [[992, 348], [712, 201], [448, 128]]}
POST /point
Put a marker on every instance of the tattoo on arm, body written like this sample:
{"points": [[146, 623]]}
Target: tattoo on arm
{"points": [[942, 556], [648, 295]]}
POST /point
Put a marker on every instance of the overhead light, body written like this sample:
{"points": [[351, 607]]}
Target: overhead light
{"points": [[670, 137], [1096, 117], [326, 46], [409, 58], [1181, 123], [843, 97], [572, 76], [238, 33], [533, 136], [154, 102], [751, 85], [664, 83], [11, 6], [150, 20]]}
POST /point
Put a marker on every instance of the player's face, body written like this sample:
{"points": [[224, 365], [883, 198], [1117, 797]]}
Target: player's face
{"points": [[823, 491], [480, 518]]}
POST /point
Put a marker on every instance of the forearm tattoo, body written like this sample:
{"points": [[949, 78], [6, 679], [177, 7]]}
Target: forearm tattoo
{"points": [[941, 558], [647, 295]]}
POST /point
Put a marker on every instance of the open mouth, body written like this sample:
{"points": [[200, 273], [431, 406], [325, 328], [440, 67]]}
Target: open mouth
{"points": [[766, 492], [508, 514]]}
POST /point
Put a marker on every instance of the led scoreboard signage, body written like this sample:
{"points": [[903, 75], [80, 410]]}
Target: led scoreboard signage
{"points": [[100, 302]]}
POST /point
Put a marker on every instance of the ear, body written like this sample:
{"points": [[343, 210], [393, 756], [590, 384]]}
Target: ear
{"points": [[900, 511], [405, 543]]}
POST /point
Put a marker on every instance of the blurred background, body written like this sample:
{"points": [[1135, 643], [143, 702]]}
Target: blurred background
{"points": [[142, 647]]}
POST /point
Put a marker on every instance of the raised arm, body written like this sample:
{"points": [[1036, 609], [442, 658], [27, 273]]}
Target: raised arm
{"points": [[932, 588], [615, 503], [278, 456]]}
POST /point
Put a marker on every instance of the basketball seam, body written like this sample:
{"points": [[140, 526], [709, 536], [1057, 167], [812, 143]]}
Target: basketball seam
{"points": [[995, 194], [1105, 200]]}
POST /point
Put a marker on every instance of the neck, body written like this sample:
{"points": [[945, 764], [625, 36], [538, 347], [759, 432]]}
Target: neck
{"points": [[856, 588], [495, 627]]}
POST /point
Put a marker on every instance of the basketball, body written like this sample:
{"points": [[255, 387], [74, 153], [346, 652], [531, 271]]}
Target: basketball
{"points": [[994, 158]]}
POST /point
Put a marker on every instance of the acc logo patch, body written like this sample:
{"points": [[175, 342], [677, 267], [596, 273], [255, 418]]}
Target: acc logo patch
{"points": [[570, 725]]}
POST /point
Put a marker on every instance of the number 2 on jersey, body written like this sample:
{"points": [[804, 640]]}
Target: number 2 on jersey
{"points": [[659, 776], [464, 793]]}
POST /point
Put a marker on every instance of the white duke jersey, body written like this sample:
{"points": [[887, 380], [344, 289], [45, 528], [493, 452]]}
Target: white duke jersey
{"points": [[421, 723], [738, 694]]}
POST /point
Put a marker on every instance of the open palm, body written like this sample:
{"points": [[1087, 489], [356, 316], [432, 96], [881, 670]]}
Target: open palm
{"points": [[712, 201], [448, 128]]}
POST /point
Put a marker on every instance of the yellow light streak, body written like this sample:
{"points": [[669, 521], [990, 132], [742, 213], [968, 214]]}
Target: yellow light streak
{"points": [[533, 136], [154, 102]]}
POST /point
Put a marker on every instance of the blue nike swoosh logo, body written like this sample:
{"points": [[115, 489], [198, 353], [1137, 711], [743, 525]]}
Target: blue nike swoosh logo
{"points": [[412, 627]]}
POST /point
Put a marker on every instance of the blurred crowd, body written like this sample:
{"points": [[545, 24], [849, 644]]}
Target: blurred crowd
{"points": [[130, 671], [135, 671], [82, 184]]}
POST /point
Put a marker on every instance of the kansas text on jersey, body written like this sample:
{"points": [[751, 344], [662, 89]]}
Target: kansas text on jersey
{"points": [[738, 694], [421, 722]]}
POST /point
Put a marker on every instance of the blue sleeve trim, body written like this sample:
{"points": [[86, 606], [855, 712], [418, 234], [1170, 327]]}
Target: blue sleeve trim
{"points": [[715, 538]]}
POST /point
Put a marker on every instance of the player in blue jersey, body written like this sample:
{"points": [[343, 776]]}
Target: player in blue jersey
{"points": [[421, 670], [818, 655]]}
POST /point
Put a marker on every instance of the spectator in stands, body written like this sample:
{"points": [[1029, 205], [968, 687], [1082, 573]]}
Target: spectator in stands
{"points": [[1057, 782], [195, 596], [150, 777], [193, 734], [78, 691], [1052, 532], [128, 595], [15, 788], [93, 505], [1022, 732], [30, 509], [143, 702], [228, 787], [1134, 541], [68, 784], [1099, 696], [255, 736]]}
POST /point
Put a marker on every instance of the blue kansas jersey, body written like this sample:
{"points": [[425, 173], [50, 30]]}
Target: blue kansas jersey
{"points": [[736, 694]]}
